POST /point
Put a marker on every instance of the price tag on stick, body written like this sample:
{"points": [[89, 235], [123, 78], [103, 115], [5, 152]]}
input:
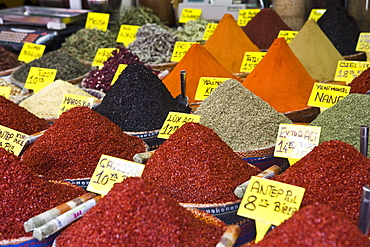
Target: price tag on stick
{"points": [[363, 42], [174, 121], [180, 50], [11, 140], [250, 60], [325, 95], [245, 15], [71, 100], [206, 86], [190, 15], [120, 68], [102, 55], [127, 34], [5, 91], [97, 21], [287, 35], [39, 78], [30, 52], [349, 70]]}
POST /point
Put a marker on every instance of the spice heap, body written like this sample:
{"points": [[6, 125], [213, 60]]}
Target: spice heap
{"points": [[361, 84], [343, 120], [138, 16], [280, 79], [228, 44], [197, 63], [341, 29], [243, 120], [333, 173], [72, 146], [68, 67], [315, 225], [24, 195], [316, 52], [264, 28], [138, 101], [192, 31], [15, 117], [144, 216], [9, 60], [196, 166], [15, 92], [46, 102]]}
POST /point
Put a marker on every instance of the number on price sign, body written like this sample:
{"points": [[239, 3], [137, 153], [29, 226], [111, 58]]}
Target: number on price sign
{"points": [[174, 121], [180, 50]]}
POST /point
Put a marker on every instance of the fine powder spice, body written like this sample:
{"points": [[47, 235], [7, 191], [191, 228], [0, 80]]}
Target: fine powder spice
{"points": [[196, 166], [333, 173], [315, 225], [9, 60], [72, 146], [136, 213], [361, 84], [24, 195], [17, 118], [264, 28], [316, 52], [228, 44], [343, 120], [243, 120], [280, 79], [138, 101]]}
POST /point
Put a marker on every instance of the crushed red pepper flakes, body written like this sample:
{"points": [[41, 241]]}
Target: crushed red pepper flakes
{"points": [[361, 84]]}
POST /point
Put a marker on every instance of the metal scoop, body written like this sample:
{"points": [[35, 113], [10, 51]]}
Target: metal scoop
{"points": [[182, 99]]}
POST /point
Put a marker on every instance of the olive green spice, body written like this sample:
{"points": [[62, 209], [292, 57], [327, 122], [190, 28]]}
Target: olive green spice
{"points": [[139, 16], [192, 31]]}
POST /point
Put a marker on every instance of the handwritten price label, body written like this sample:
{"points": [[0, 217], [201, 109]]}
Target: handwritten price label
{"points": [[111, 170], [324, 95], [180, 49], [39, 78], [348, 70], [363, 42], [206, 86], [190, 15], [210, 29], [316, 14], [5, 91], [127, 34], [245, 15], [11, 140], [102, 55], [71, 100], [174, 121], [97, 21], [250, 60], [287, 35], [30, 52], [120, 68]]}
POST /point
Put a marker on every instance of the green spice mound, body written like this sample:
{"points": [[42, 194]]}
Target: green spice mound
{"points": [[192, 31], [242, 119], [139, 16]]}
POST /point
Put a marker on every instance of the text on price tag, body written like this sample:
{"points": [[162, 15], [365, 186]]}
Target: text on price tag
{"points": [[127, 34], [30, 52], [102, 55], [72, 100], [245, 15], [210, 29], [190, 15], [39, 78], [174, 121], [206, 86], [97, 21], [5, 91], [363, 42], [11, 140], [348, 70], [250, 60], [316, 14], [325, 95], [180, 49], [120, 68], [287, 35]]}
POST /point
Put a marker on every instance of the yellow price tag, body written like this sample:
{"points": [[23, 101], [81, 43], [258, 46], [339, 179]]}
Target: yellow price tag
{"points": [[180, 50], [363, 42], [72, 100], [11, 140], [111, 170], [295, 141], [190, 15], [245, 15], [316, 14], [210, 29], [30, 52], [5, 91], [102, 55], [287, 35], [39, 78], [261, 229], [120, 68], [206, 85], [348, 70], [325, 95], [250, 60], [127, 34], [174, 121], [270, 201], [97, 21]]}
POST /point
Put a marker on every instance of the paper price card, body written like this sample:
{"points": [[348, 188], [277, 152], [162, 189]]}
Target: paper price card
{"points": [[180, 50], [245, 15], [315, 14], [295, 141], [250, 60], [39, 78], [102, 55], [325, 95], [30, 52], [287, 35], [11, 140], [206, 86], [111, 170], [5, 91], [71, 100], [120, 68], [97, 21], [190, 15], [363, 42], [348, 70], [174, 121], [210, 29], [127, 34]]}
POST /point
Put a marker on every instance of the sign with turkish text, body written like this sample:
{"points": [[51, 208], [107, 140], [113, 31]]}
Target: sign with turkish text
{"points": [[30, 52], [326, 95], [5, 91], [72, 100], [250, 60], [210, 29], [174, 121], [245, 15], [363, 42], [190, 15], [96, 20], [206, 85], [287, 35], [180, 49], [11, 140], [348, 70], [39, 78], [127, 34], [102, 55]]}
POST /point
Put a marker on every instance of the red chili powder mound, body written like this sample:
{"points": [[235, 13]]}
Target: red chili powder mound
{"points": [[315, 225], [361, 84], [25, 195], [72, 146], [136, 213], [18, 118], [196, 166], [280, 79], [228, 44], [333, 173], [264, 28]]}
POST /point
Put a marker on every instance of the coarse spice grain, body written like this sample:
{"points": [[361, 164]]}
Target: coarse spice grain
{"points": [[144, 216], [361, 84], [138, 16], [9, 60], [192, 31], [196, 166], [15, 91], [72, 146]]}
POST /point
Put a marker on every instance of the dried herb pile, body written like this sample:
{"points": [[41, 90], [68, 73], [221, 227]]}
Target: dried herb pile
{"points": [[192, 31], [139, 16]]}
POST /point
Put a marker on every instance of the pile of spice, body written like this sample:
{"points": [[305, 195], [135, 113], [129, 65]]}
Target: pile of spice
{"points": [[197, 63], [228, 44], [361, 84], [196, 166], [264, 28], [46, 102], [315, 225], [138, 16], [24, 195], [67, 66], [280, 79], [15, 92], [243, 120], [72, 146], [144, 216], [192, 31], [138, 101], [15, 117], [341, 29], [153, 44], [343, 120], [9, 60], [333, 173]]}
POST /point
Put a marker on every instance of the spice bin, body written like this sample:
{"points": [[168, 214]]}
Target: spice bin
{"points": [[29, 241]]}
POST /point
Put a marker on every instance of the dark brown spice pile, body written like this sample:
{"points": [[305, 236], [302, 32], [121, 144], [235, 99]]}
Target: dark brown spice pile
{"points": [[361, 84], [24, 195], [9, 60], [72, 146], [196, 166], [136, 213]]}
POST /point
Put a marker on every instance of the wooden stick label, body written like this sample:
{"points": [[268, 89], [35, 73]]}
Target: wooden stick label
{"points": [[316, 14], [287, 35], [210, 29]]}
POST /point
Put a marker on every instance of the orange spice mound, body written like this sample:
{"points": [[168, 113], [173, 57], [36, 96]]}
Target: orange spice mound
{"points": [[228, 44], [197, 63], [280, 79]]}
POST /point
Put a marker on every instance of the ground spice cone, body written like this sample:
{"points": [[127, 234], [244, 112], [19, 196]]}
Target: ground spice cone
{"points": [[229, 43], [280, 79]]}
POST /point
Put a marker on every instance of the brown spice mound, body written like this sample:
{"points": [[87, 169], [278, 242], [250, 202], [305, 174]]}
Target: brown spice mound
{"points": [[361, 84], [9, 60]]}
